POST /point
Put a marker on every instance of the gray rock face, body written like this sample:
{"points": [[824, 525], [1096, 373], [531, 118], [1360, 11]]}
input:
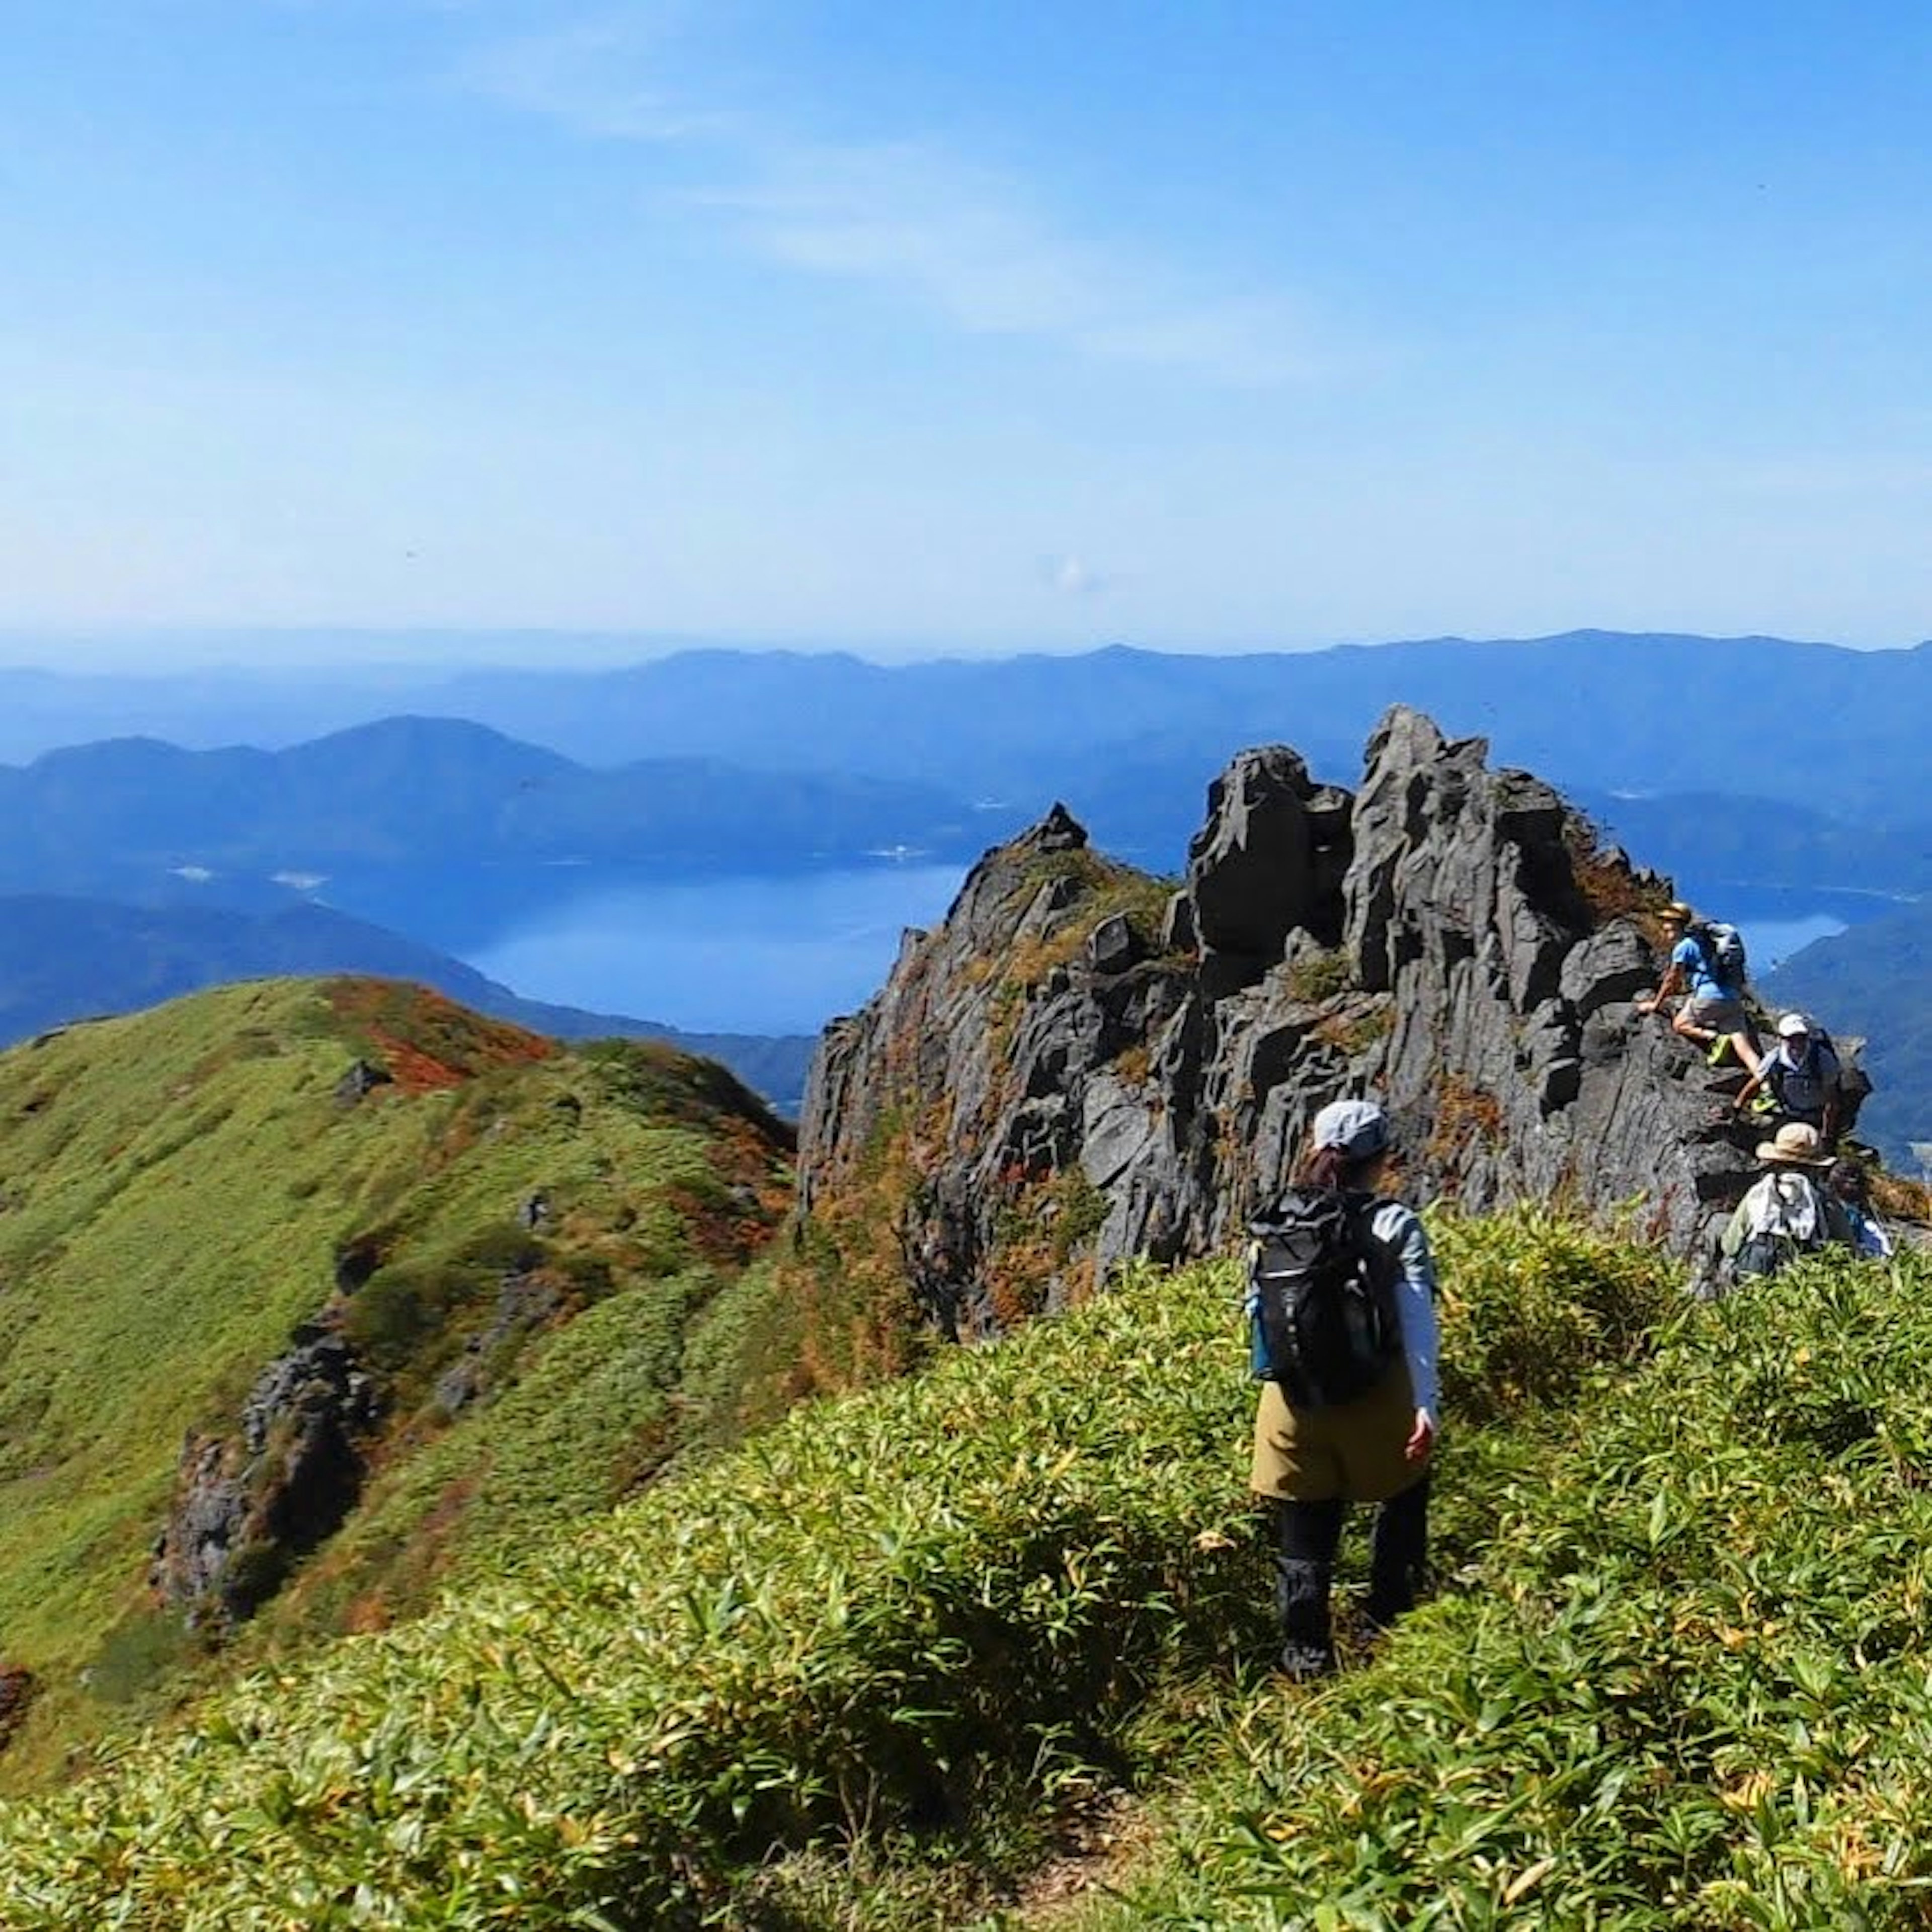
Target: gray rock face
{"points": [[1447, 938], [247, 1506], [16, 1694], [362, 1078], [524, 1303], [1271, 859]]}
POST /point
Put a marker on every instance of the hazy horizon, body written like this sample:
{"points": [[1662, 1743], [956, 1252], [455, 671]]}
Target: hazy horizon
{"points": [[375, 650]]}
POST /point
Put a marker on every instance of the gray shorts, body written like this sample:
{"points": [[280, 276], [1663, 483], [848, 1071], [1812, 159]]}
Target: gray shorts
{"points": [[1717, 1015]]}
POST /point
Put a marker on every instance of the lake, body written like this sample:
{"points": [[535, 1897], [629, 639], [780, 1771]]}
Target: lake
{"points": [[1770, 942], [758, 956], [776, 956]]}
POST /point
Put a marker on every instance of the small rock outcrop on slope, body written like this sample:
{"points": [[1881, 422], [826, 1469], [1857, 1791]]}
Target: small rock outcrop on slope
{"points": [[246, 1507], [16, 1694], [1079, 1066]]}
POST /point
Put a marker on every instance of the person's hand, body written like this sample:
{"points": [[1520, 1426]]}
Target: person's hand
{"points": [[1645, 1005], [1421, 1437]]}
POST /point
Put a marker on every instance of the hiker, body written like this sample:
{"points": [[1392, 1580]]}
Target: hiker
{"points": [[1785, 1212], [1850, 1188], [1313, 1460], [1803, 1077], [1712, 1013]]}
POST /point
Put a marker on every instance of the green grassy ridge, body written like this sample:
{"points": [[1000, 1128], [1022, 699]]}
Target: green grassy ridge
{"points": [[178, 1185], [932, 1607], [1684, 1683], [599, 1408]]}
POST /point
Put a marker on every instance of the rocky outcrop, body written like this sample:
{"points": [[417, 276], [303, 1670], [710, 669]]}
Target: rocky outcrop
{"points": [[525, 1304], [362, 1079], [1071, 1070], [16, 1694], [246, 1506]]}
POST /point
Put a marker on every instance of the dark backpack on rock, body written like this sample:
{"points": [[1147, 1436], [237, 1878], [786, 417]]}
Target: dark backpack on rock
{"points": [[1321, 1301]]}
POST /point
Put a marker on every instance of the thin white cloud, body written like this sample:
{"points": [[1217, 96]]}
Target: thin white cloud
{"points": [[590, 77], [1073, 577], [967, 245], [964, 243]]}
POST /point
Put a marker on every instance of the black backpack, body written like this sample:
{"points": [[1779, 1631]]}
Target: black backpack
{"points": [[1723, 947], [1320, 1297]]}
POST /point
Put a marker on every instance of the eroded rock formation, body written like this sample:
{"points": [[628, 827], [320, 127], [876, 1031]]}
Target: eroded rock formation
{"points": [[1071, 1072], [16, 1694], [248, 1505]]}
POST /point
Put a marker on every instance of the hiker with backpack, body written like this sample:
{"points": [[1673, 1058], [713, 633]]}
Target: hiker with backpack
{"points": [[1787, 1211], [1707, 967], [1342, 1299], [1851, 1188], [1802, 1075]]}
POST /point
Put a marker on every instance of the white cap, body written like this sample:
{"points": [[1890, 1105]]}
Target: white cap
{"points": [[1356, 1128], [1792, 1024]]}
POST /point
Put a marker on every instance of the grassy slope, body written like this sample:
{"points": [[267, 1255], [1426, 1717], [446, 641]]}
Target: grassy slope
{"points": [[1682, 1681], [1676, 1676], [978, 1585], [178, 1185]]}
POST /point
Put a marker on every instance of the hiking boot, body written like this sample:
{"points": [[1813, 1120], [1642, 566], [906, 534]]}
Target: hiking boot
{"points": [[1720, 1050], [1306, 1662]]}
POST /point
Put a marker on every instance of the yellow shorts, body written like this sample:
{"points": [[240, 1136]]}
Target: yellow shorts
{"points": [[1353, 1451]]}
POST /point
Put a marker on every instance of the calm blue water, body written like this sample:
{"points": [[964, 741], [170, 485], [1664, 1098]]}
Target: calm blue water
{"points": [[1770, 942], [730, 956]]}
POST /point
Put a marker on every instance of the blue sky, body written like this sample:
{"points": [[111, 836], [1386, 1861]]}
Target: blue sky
{"points": [[984, 327]]}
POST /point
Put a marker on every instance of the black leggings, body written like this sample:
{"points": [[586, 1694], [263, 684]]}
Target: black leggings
{"points": [[1309, 1535]]}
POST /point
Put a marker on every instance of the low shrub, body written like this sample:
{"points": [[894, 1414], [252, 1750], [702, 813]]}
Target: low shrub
{"points": [[967, 1584], [1684, 1682], [1679, 1680], [400, 1306], [1316, 976], [141, 1650], [1531, 1304]]}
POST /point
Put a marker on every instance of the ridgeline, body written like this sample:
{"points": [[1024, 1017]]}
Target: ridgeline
{"points": [[263, 1247]]}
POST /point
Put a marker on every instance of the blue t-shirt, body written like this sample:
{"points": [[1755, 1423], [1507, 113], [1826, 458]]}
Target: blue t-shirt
{"points": [[1704, 983]]}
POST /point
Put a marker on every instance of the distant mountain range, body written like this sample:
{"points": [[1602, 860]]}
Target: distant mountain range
{"points": [[1750, 759], [65, 959], [1839, 730]]}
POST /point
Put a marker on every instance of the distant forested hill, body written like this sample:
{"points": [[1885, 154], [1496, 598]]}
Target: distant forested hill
{"points": [[112, 818], [64, 959], [1875, 981]]}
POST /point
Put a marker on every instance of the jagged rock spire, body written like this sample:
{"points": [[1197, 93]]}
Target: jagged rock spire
{"points": [[1448, 937]]}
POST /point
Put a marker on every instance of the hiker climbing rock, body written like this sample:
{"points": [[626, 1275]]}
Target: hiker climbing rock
{"points": [[1802, 1075], [1343, 1292], [1707, 967], [1786, 1212]]}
